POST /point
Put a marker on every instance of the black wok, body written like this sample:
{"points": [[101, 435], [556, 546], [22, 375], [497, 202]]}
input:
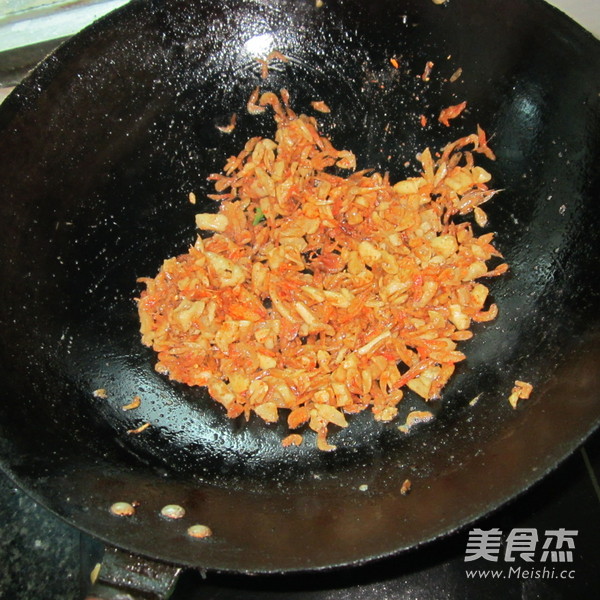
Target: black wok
{"points": [[101, 146]]}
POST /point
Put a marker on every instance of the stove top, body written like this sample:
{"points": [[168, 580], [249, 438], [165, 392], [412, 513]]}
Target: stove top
{"points": [[42, 557]]}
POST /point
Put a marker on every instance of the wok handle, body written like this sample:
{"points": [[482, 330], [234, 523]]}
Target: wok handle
{"points": [[125, 576]]}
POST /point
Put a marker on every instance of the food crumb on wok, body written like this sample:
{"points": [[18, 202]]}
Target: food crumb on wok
{"points": [[363, 487], [95, 572], [394, 62], [135, 403], [122, 509], [451, 112], [414, 418], [426, 76], [173, 511], [265, 62], [139, 429], [199, 531], [406, 487], [456, 75], [252, 105], [320, 106], [229, 127], [192, 198], [475, 400], [322, 294], [100, 393], [480, 216], [521, 391], [423, 120], [294, 439]]}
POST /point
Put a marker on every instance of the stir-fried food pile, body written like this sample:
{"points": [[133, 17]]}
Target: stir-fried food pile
{"points": [[320, 295]]}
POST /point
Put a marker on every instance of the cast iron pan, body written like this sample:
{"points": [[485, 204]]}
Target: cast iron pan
{"points": [[101, 146]]}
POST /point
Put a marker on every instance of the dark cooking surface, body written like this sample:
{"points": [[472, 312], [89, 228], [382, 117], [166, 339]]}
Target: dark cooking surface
{"points": [[41, 557], [99, 151]]}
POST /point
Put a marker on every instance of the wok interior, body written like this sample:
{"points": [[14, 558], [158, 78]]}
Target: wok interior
{"points": [[104, 143]]}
